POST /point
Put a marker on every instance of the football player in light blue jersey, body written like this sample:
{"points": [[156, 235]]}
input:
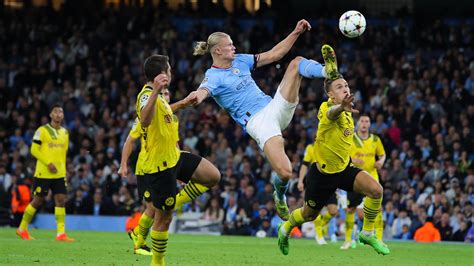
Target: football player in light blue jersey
{"points": [[230, 83]]}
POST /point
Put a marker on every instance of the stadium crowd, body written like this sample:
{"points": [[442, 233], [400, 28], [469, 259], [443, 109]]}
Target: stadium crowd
{"points": [[415, 81]]}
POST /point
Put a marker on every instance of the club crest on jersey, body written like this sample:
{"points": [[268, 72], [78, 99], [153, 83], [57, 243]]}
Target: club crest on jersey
{"points": [[168, 118], [236, 71], [348, 132]]}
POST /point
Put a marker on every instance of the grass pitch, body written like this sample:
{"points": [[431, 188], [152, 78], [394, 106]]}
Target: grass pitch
{"points": [[104, 248]]}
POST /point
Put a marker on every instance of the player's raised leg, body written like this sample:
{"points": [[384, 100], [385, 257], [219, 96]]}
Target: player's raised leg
{"points": [[368, 186], [202, 176]]}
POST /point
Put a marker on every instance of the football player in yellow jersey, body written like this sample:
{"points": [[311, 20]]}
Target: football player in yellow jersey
{"points": [[367, 147], [333, 168], [49, 147], [164, 162], [146, 220], [331, 204]]}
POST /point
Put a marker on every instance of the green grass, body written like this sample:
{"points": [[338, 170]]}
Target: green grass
{"points": [[103, 248]]}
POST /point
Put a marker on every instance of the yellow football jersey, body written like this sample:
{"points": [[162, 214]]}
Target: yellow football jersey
{"points": [[333, 140], [366, 150], [309, 154], [50, 146], [160, 138]]}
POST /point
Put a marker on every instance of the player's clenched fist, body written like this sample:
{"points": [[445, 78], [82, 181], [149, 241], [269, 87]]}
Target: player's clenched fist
{"points": [[161, 81]]}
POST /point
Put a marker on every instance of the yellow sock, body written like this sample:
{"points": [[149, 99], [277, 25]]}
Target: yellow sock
{"points": [[159, 240], [350, 219], [27, 216], [379, 226], [60, 213], [371, 209], [318, 228], [141, 231], [296, 219], [325, 218], [189, 192]]}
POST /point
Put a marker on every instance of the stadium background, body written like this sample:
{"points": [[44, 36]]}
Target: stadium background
{"points": [[412, 70]]}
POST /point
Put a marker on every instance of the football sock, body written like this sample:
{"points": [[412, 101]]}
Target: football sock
{"points": [[141, 231], [296, 219], [159, 241], [60, 214], [189, 192], [309, 68], [350, 218], [27, 216], [379, 226], [318, 228], [280, 187], [371, 209]]}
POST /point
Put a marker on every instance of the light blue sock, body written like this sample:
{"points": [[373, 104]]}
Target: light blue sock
{"points": [[280, 186], [311, 69]]}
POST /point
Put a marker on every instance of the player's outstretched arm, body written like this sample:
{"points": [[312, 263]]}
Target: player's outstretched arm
{"points": [[346, 105], [201, 94], [126, 152], [283, 47], [191, 99]]}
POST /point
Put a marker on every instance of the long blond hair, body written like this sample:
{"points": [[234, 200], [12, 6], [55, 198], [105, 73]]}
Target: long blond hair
{"points": [[201, 48]]}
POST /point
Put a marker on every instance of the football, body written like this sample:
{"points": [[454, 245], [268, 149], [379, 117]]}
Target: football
{"points": [[352, 24]]}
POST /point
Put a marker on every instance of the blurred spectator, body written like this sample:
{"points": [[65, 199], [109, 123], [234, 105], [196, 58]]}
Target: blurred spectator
{"points": [[421, 102], [427, 233]]}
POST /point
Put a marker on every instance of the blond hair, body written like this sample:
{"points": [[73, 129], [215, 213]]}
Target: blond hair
{"points": [[201, 48]]}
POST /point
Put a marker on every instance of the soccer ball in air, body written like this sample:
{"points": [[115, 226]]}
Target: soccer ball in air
{"points": [[352, 24]]}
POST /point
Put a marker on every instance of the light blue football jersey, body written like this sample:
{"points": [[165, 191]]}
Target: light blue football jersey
{"points": [[235, 90]]}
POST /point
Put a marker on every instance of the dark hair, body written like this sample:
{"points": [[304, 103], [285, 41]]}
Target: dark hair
{"points": [[329, 81], [56, 105], [155, 65]]}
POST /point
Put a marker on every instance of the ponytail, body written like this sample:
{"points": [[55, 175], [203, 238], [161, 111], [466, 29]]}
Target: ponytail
{"points": [[201, 48]]}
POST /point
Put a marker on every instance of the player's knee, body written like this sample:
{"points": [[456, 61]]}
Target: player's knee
{"points": [[215, 177], [295, 62], [284, 172], [376, 191]]}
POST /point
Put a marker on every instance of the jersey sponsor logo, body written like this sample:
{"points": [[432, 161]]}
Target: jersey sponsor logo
{"points": [[245, 82], [55, 145], [169, 201]]}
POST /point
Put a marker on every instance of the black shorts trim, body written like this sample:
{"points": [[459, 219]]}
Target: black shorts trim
{"points": [[319, 186], [354, 199], [41, 186], [187, 164]]}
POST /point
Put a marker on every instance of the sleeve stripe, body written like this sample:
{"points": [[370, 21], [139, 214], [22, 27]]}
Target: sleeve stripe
{"points": [[37, 142]]}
